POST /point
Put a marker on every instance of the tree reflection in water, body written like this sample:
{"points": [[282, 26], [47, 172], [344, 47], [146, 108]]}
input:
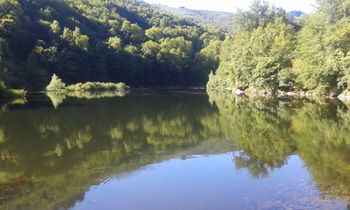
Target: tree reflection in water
{"points": [[59, 153]]}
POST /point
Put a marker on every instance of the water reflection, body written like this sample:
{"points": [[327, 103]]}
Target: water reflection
{"points": [[57, 98], [50, 157], [5, 105], [268, 130]]}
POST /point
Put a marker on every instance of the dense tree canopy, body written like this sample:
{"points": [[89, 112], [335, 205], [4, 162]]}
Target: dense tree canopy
{"points": [[270, 52], [259, 52], [95, 40]]}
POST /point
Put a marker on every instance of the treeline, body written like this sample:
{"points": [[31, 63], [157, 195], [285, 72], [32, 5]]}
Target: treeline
{"points": [[269, 52], [95, 40]]}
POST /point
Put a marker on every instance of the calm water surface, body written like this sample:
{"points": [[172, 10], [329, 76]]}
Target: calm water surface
{"points": [[174, 150]]}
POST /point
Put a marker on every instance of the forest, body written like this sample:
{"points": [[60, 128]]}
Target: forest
{"points": [[269, 53], [125, 41]]}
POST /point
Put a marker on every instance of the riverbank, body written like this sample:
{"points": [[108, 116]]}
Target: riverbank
{"points": [[298, 94], [6, 93]]}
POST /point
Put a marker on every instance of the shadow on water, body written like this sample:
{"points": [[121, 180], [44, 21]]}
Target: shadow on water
{"points": [[60, 152]]}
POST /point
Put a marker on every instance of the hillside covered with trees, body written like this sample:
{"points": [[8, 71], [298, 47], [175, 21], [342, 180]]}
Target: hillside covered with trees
{"points": [[139, 44], [96, 40], [214, 19], [270, 53]]}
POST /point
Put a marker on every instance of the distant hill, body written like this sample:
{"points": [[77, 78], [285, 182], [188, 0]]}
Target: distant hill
{"points": [[297, 13], [219, 20]]}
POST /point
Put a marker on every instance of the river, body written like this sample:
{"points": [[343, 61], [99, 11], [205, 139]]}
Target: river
{"points": [[174, 150]]}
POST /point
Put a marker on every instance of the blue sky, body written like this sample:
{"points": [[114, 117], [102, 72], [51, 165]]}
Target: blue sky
{"points": [[232, 5]]}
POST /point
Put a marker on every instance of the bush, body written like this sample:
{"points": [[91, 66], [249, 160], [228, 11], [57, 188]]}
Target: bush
{"points": [[97, 86], [56, 84]]}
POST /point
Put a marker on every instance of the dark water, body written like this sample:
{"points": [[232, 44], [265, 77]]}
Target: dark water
{"points": [[174, 150]]}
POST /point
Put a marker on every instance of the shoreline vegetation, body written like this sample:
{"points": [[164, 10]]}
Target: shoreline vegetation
{"points": [[270, 54], [58, 91], [6, 93], [56, 85], [297, 94]]}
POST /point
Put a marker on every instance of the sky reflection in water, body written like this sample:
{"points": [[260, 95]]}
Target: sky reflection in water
{"points": [[174, 150]]}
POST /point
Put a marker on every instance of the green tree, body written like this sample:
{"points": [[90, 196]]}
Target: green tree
{"points": [[56, 84], [259, 14], [208, 60], [55, 27], [150, 49], [133, 32], [115, 43], [257, 55], [99, 40], [81, 41], [155, 33], [177, 51], [334, 9], [67, 35]]}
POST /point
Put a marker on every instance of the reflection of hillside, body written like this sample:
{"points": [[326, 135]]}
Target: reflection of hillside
{"points": [[323, 138], [58, 98], [259, 129], [62, 153], [268, 130]]}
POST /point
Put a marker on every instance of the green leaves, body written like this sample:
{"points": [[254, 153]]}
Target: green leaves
{"points": [[56, 84], [55, 27], [115, 43], [75, 38], [133, 32], [82, 40], [267, 53], [254, 57]]}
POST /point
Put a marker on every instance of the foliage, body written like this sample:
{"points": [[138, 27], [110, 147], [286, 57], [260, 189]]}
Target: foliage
{"points": [[97, 86], [207, 59], [269, 52], [115, 43], [56, 84], [97, 40], [256, 57]]}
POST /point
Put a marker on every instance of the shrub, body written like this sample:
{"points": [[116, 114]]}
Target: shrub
{"points": [[56, 84], [97, 86]]}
